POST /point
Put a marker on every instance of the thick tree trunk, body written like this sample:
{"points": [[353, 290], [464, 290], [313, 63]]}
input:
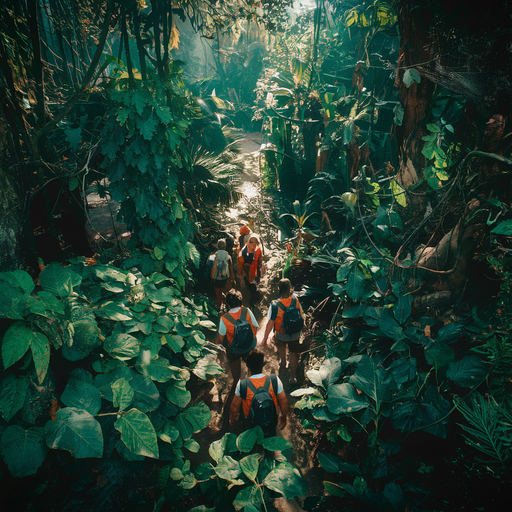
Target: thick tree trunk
{"points": [[415, 100]]}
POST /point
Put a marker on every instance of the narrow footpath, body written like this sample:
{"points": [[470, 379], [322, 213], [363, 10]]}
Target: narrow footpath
{"points": [[251, 208]]}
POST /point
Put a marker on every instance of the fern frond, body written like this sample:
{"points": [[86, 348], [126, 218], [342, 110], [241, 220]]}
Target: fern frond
{"points": [[488, 432]]}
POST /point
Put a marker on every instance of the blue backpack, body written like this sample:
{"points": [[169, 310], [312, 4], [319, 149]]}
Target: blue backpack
{"points": [[263, 409], [292, 319], [243, 339]]}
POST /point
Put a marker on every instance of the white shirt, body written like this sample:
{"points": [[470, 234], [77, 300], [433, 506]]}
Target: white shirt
{"points": [[258, 376]]}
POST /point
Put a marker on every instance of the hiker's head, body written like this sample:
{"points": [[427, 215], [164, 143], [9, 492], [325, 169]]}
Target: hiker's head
{"points": [[255, 361], [285, 287], [221, 244], [233, 298], [245, 230], [254, 240]]}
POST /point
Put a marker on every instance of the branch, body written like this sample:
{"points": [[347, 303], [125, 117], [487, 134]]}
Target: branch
{"points": [[88, 77]]}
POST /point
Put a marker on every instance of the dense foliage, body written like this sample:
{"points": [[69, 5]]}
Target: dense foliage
{"points": [[386, 139]]}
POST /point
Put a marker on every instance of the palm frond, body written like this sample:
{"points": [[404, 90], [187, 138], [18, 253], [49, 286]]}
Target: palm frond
{"points": [[488, 429]]}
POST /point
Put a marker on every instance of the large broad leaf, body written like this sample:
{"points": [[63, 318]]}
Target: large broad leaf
{"points": [[276, 443], [138, 433], [246, 440], [40, 348], [77, 431], [225, 445], [13, 391], [15, 289], [334, 464], [286, 480], [503, 228], [156, 369], [343, 399], [356, 283], [122, 346], [439, 354], [23, 450], [250, 465], [178, 394], [207, 367], [403, 370], [328, 373], [403, 308], [122, 393], [248, 497], [113, 311], [411, 76], [373, 380], [58, 280], [389, 326], [16, 342], [467, 372], [82, 395], [228, 468], [193, 419], [450, 333], [146, 396]]}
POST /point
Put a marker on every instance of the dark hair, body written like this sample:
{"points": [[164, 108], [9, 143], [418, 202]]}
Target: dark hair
{"points": [[255, 361], [284, 287], [233, 298], [221, 244]]}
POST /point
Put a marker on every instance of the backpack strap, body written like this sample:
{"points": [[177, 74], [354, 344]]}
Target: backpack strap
{"points": [[273, 380], [229, 318], [253, 387], [294, 302], [243, 388]]}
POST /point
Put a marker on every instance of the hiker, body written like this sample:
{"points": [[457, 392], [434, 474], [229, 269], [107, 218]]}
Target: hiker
{"points": [[249, 268], [222, 272], [237, 333], [286, 317], [261, 396]]}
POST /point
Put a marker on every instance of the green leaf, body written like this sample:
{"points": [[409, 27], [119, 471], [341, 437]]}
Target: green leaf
{"points": [[249, 496], [138, 433], [23, 450], [82, 395], [207, 367], [467, 372], [343, 399], [225, 445], [276, 443], [122, 346], [58, 280], [403, 370], [246, 440], [373, 380], [402, 310], [410, 76], [77, 431], [250, 465], [113, 311], [439, 354], [13, 391], [40, 348], [356, 283], [286, 480], [228, 468], [503, 228], [16, 342], [191, 445], [157, 369], [146, 396], [123, 394], [178, 395]]}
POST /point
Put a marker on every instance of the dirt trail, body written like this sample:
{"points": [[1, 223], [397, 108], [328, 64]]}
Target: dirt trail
{"points": [[250, 207]]}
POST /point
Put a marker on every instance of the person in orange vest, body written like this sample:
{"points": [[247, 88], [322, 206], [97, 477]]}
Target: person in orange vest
{"points": [[237, 333], [249, 268], [286, 317], [261, 397]]}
